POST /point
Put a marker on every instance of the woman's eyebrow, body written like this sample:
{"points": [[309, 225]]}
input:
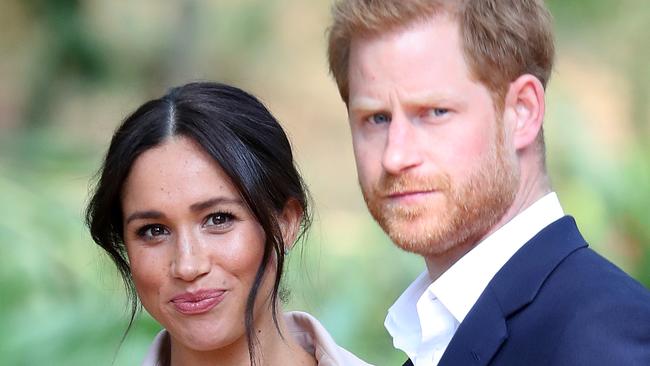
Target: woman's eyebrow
{"points": [[195, 207], [140, 215], [200, 206]]}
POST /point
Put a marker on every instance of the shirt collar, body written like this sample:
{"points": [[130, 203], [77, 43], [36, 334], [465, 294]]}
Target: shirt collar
{"points": [[402, 322], [310, 334]]}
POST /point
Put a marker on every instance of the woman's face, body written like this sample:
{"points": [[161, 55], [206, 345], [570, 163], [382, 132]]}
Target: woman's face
{"points": [[193, 245]]}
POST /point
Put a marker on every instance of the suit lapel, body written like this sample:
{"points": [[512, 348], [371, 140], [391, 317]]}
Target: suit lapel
{"points": [[484, 330], [479, 336]]}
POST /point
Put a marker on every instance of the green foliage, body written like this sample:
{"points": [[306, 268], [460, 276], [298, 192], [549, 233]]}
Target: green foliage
{"points": [[87, 63]]}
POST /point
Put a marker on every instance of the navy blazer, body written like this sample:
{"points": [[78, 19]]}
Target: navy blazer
{"points": [[555, 302]]}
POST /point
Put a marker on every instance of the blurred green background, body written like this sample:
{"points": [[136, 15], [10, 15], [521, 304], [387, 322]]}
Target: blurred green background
{"points": [[71, 70]]}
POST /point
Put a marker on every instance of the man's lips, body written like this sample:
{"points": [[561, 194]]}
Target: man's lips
{"points": [[407, 195], [199, 302]]}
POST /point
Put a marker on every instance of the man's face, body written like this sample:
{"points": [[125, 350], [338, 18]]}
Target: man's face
{"points": [[434, 162]]}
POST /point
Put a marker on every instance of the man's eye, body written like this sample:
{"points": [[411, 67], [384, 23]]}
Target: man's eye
{"points": [[438, 112], [151, 231], [379, 118], [219, 219]]}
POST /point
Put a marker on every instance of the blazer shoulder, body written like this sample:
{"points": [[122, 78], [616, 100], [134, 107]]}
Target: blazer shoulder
{"points": [[586, 274]]}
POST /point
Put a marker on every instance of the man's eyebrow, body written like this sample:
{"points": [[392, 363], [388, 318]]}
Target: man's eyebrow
{"points": [[361, 104], [365, 104], [143, 215], [432, 97], [200, 206]]}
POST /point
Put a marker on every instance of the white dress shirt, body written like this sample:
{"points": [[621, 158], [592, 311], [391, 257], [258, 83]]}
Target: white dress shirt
{"points": [[425, 317]]}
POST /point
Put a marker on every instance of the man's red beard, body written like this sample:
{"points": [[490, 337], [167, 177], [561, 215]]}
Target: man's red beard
{"points": [[453, 214]]}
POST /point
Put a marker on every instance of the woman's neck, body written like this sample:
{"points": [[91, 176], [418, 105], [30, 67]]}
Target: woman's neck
{"points": [[271, 349]]}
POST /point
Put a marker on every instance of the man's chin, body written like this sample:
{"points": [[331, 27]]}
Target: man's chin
{"points": [[414, 238], [425, 249]]}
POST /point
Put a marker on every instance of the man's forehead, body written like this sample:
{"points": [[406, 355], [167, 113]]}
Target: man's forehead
{"points": [[393, 31], [423, 43]]}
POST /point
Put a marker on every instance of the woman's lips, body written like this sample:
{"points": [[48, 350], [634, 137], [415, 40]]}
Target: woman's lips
{"points": [[193, 303]]}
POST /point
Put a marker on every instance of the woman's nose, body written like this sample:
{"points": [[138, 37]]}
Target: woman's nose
{"points": [[190, 260]]}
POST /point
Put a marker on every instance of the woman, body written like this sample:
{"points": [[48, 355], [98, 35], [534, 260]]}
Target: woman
{"points": [[197, 203]]}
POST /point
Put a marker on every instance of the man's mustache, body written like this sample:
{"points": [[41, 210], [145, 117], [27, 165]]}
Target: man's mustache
{"points": [[390, 184]]}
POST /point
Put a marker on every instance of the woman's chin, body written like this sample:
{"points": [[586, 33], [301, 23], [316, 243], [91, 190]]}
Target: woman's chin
{"points": [[205, 341]]}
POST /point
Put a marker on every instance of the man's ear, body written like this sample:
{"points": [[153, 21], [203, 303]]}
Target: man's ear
{"points": [[525, 107], [289, 221]]}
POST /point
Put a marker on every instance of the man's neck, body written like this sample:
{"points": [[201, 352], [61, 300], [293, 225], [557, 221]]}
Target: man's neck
{"points": [[529, 192]]}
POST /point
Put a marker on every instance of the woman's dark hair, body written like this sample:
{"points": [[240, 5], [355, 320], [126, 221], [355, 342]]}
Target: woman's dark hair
{"points": [[241, 135]]}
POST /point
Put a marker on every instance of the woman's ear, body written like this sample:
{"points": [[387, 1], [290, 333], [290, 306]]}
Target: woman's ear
{"points": [[289, 221], [525, 106]]}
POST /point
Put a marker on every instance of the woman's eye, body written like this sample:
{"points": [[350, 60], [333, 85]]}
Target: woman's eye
{"points": [[379, 118], [219, 219], [152, 231]]}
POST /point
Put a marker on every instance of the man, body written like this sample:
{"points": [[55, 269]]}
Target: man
{"points": [[446, 101]]}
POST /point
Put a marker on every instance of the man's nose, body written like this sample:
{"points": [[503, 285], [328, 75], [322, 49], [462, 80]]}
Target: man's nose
{"points": [[190, 260], [401, 151]]}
